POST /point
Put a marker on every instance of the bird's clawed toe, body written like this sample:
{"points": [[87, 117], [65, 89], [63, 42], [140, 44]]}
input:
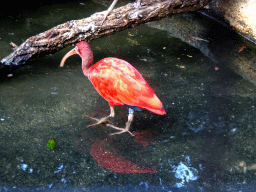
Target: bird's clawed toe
{"points": [[121, 130], [98, 121]]}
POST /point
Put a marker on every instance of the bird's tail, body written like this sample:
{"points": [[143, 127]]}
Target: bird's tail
{"points": [[153, 104], [157, 111]]}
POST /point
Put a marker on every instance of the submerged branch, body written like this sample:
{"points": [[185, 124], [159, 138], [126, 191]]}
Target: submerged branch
{"points": [[89, 28]]}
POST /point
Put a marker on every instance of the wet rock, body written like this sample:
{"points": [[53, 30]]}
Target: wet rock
{"points": [[242, 167], [252, 167], [244, 89], [240, 14], [215, 39]]}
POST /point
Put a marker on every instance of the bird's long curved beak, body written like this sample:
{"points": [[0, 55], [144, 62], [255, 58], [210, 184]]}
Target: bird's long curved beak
{"points": [[70, 53]]}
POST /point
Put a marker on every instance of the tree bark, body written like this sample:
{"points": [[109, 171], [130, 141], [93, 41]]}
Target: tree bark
{"points": [[89, 28]]}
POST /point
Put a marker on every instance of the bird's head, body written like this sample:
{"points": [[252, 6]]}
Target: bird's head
{"points": [[83, 49]]}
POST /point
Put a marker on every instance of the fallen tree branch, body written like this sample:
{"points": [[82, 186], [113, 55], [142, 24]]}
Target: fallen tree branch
{"points": [[89, 28]]}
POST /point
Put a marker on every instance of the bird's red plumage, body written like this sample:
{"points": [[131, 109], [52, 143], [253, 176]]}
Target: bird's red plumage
{"points": [[120, 83]]}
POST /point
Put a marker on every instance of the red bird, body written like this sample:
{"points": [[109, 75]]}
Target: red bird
{"points": [[119, 83]]}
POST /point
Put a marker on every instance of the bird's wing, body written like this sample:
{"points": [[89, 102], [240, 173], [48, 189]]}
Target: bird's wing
{"points": [[115, 85], [120, 83], [128, 69]]}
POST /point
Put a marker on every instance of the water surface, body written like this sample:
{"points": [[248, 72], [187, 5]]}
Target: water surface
{"points": [[206, 142]]}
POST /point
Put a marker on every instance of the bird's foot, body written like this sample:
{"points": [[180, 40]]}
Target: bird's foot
{"points": [[121, 130], [99, 121]]}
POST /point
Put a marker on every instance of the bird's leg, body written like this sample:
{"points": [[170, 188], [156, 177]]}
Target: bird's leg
{"points": [[128, 124], [103, 119]]}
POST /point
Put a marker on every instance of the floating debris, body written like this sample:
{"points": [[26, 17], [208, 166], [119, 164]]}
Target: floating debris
{"points": [[241, 48], [198, 38], [23, 166], [63, 180], [51, 144], [59, 168], [216, 68], [132, 42]]}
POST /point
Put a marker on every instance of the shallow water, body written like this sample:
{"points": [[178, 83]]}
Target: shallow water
{"points": [[206, 142]]}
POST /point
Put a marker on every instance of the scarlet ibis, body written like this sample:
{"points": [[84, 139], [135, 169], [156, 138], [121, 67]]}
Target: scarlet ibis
{"points": [[119, 83]]}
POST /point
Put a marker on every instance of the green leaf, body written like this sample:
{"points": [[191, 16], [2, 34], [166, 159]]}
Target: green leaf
{"points": [[51, 144]]}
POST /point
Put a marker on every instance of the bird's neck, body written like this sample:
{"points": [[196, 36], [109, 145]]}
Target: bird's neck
{"points": [[87, 61]]}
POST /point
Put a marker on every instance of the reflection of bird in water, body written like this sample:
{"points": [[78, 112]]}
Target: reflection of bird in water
{"points": [[108, 157], [119, 83]]}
